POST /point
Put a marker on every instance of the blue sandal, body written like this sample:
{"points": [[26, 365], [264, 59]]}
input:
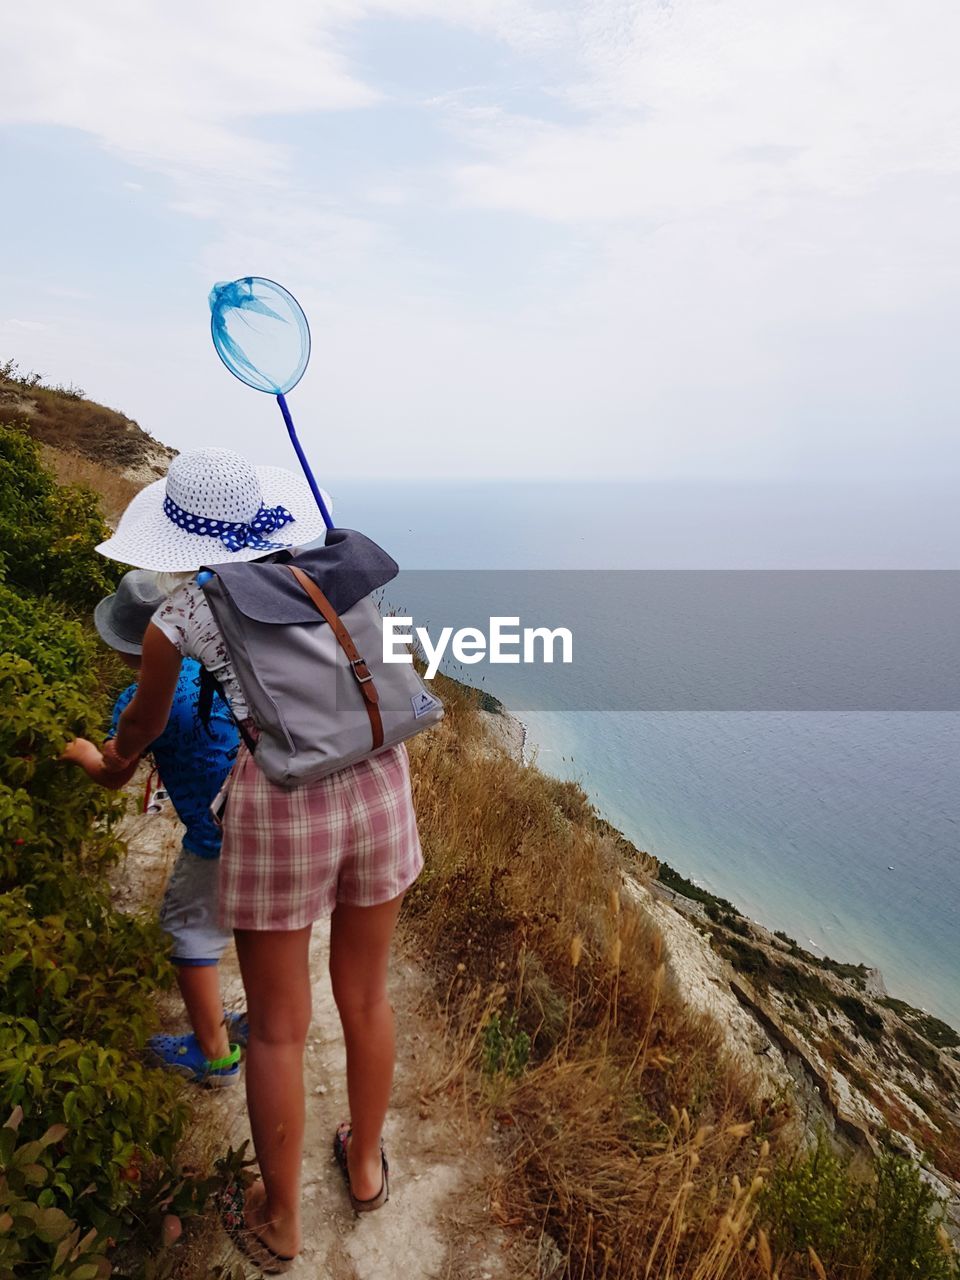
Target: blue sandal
{"points": [[184, 1055]]}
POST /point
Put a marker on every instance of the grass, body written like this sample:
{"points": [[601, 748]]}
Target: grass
{"points": [[628, 1129], [114, 489]]}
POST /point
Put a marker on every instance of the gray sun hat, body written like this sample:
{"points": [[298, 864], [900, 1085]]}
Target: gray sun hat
{"points": [[121, 619]]}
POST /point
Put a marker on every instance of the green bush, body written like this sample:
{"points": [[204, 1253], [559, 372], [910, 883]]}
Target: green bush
{"points": [[77, 977], [505, 1048], [679, 884], [124, 1120], [807, 1204], [937, 1032], [34, 1233], [887, 1226], [48, 534], [80, 977], [923, 1054], [866, 1022]]}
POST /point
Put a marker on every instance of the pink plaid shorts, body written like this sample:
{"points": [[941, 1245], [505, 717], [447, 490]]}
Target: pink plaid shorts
{"points": [[289, 856]]}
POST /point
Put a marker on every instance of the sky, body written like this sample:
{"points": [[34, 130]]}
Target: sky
{"points": [[616, 238]]}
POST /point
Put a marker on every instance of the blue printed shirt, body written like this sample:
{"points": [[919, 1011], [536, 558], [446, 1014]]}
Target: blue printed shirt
{"points": [[192, 762]]}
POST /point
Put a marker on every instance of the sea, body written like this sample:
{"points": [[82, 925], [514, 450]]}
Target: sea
{"points": [[764, 688]]}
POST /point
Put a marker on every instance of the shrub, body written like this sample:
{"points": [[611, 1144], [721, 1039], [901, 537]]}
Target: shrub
{"points": [[506, 1049], [936, 1031], [808, 1204], [679, 884], [885, 1227], [922, 1053], [77, 977], [48, 534], [34, 1233], [10, 372], [866, 1022]]}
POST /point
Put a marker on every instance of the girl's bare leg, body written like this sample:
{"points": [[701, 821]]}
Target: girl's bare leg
{"points": [[360, 940], [276, 976]]}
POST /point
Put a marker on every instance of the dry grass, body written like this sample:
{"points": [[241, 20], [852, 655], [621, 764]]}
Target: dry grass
{"points": [[115, 490], [76, 425], [628, 1138]]}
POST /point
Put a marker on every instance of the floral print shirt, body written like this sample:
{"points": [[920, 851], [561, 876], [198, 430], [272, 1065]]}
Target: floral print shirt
{"points": [[187, 621]]}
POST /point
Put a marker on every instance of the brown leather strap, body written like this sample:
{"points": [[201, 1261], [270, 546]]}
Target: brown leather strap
{"points": [[358, 666]]}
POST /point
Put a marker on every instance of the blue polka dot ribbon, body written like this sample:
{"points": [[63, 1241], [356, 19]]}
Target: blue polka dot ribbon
{"points": [[235, 535]]}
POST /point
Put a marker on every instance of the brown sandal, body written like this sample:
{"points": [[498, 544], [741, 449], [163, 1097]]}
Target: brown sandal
{"points": [[340, 1140]]}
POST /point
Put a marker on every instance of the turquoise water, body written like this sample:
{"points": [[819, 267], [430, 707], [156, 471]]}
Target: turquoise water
{"points": [[841, 828]]}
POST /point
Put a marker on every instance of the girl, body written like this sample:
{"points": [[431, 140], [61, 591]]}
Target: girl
{"points": [[346, 845]]}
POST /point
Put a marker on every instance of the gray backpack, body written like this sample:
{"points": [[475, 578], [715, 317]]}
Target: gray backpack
{"points": [[305, 639]]}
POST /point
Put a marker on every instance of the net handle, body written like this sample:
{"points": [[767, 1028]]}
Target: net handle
{"points": [[314, 487]]}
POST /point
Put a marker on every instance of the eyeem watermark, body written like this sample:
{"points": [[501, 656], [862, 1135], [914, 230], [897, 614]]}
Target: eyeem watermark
{"points": [[470, 644]]}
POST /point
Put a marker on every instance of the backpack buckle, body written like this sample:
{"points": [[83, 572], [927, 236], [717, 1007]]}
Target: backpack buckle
{"points": [[356, 664]]}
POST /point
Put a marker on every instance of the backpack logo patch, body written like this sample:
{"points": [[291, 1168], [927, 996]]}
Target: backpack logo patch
{"points": [[422, 702]]}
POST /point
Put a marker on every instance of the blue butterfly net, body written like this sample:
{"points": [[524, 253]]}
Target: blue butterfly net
{"points": [[260, 333]]}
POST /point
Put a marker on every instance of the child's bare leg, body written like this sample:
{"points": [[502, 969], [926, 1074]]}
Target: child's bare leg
{"points": [[200, 987]]}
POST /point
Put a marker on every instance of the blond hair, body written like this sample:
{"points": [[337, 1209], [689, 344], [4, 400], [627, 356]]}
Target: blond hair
{"points": [[168, 583]]}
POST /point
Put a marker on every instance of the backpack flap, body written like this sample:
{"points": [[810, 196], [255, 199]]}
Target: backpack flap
{"points": [[309, 699], [346, 568]]}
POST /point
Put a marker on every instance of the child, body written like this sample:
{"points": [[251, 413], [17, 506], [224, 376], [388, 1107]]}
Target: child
{"points": [[193, 761], [344, 846]]}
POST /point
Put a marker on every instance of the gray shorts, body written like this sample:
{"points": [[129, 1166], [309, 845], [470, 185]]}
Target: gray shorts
{"points": [[190, 911]]}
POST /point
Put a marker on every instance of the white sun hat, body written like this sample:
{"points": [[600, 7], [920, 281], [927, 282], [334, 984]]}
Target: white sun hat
{"points": [[214, 507]]}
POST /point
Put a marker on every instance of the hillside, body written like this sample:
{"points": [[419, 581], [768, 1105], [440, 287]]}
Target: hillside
{"points": [[667, 1090], [84, 442], [886, 1075]]}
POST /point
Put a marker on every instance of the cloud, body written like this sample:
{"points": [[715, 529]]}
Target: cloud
{"points": [[171, 86], [681, 101], [174, 86]]}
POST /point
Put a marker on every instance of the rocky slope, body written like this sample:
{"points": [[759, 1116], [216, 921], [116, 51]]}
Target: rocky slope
{"points": [[64, 419], [875, 1071]]}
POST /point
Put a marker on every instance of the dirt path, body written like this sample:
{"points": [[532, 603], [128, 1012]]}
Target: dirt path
{"points": [[438, 1222]]}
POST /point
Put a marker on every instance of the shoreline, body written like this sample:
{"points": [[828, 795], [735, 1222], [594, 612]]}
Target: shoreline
{"points": [[510, 732], [690, 898]]}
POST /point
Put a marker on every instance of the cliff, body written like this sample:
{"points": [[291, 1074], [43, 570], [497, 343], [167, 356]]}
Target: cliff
{"points": [[83, 442], [884, 1075]]}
